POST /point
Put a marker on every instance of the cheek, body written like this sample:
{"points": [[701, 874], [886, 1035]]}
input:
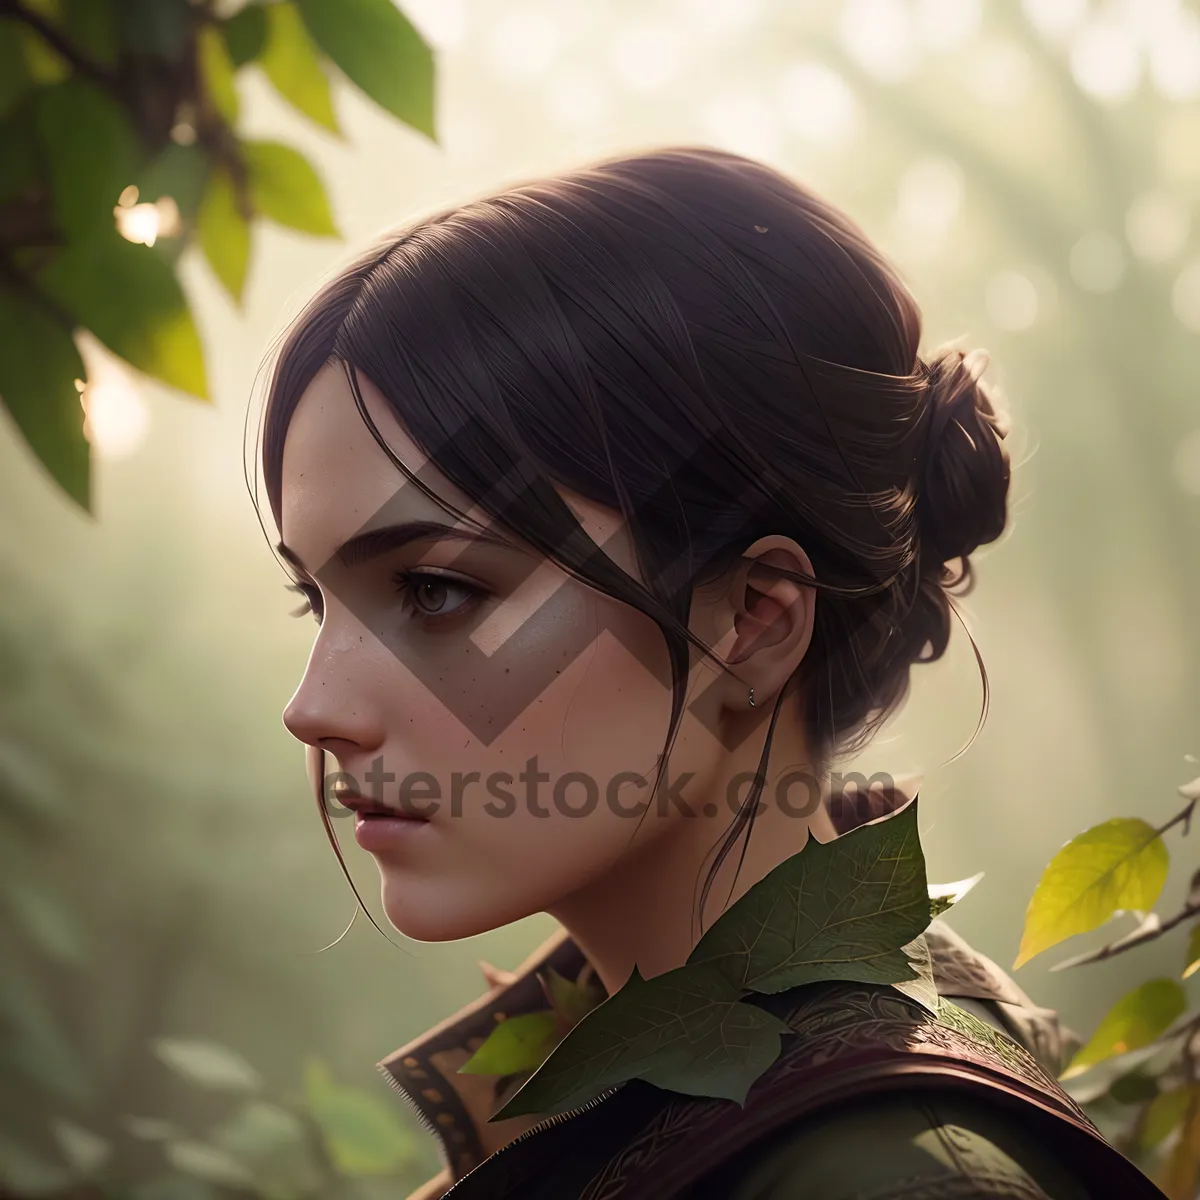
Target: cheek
{"points": [[602, 712]]}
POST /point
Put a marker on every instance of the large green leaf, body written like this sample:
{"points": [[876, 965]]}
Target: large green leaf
{"points": [[207, 1064], [224, 233], [845, 909], [1120, 864], [91, 151], [380, 50], [285, 187], [130, 299], [362, 1135], [686, 1030], [1134, 1021], [292, 64], [38, 368], [852, 909]]}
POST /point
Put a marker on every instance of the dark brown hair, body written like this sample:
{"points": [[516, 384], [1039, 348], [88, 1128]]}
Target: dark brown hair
{"points": [[696, 340]]}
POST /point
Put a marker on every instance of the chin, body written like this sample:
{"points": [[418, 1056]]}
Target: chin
{"points": [[442, 913]]}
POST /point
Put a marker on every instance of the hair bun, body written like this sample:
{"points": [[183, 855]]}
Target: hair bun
{"points": [[964, 496]]}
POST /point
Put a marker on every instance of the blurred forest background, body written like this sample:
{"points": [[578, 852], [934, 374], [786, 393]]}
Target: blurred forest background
{"points": [[1034, 169]]}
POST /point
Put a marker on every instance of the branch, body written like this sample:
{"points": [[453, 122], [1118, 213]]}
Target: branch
{"points": [[62, 45], [1152, 927]]}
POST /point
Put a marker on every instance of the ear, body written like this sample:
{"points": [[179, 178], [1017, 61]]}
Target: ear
{"points": [[772, 620]]}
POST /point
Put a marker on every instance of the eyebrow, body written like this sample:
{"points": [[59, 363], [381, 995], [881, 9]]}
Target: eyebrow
{"points": [[374, 542]]}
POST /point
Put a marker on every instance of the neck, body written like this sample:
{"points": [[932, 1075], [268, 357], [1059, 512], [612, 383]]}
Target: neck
{"points": [[645, 910]]}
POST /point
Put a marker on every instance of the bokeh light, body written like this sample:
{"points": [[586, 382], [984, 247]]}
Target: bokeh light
{"points": [[1012, 300], [817, 103], [1097, 262]]}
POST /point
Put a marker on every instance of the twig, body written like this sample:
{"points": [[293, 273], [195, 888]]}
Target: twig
{"points": [[54, 38]]}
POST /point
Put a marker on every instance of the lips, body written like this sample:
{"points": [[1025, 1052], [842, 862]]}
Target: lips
{"points": [[366, 808]]}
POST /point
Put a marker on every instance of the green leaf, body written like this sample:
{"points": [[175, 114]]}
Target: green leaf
{"points": [[180, 172], [292, 64], [84, 1150], [1134, 1021], [272, 1143], [44, 63], [943, 896], [224, 233], [1192, 957], [25, 1174], [93, 28], [36, 1044], [1165, 1114], [217, 72], [1121, 864], [19, 164], [686, 1030], [362, 1136], [15, 79], [380, 51], [174, 1186], [246, 34], [515, 1045], [207, 1162], [844, 909], [46, 921], [130, 299], [150, 1129], [285, 188], [38, 368], [207, 1064], [571, 1000], [92, 154], [157, 28]]}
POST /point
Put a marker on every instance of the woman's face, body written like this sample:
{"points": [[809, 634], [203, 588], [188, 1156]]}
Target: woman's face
{"points": [[518, 710]]}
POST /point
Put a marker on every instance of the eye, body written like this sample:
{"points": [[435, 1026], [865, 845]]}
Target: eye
{"points": [[312, 600], [431, 595]]}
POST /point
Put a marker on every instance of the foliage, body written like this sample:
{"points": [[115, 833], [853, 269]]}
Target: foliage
{"points": [[1149, 1039], [121, 142], [853, 909]]}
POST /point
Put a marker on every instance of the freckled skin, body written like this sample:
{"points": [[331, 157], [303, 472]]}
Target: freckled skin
{"points": [[626, 888]]}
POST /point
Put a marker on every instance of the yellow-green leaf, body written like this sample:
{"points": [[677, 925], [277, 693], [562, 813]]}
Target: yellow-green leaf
{"points": [[1121, 864], [1134, 1021], [1181, 1176], [1193, 952], [381, 51], [362, 1136], [224, 233], [217, 71], [285, 187], [1164, 1114], [519, 1044], [293, 65]]}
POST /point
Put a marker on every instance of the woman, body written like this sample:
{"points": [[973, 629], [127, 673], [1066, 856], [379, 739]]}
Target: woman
{"points": [[625, 503]]}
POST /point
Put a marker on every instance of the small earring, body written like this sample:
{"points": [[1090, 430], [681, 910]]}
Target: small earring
{"points": [[751, 697]]}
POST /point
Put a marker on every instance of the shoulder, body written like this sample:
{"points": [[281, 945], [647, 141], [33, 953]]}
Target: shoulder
{"points": [[917, 1143]]}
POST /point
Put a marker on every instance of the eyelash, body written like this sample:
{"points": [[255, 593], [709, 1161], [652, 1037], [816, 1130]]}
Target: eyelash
{"points": [[406, 583]]}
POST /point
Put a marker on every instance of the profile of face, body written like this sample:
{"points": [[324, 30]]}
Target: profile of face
{"points": [[460, 675]]}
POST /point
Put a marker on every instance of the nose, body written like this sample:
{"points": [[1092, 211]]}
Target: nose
{"points": [[333, 708]]}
